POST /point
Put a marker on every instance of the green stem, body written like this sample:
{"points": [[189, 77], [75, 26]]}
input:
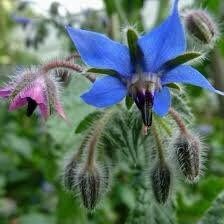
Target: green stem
{"points": [[158, 143], [179, 121], [55, 64], [121, 11]]}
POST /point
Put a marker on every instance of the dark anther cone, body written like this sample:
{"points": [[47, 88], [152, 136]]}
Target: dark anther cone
{"points": [[32, 105], [144, 103]]}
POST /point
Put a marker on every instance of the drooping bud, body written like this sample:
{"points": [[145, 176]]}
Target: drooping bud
{"points": [[188, 153], [90, 181], [70, 172], [201, 25], [161, 181]]}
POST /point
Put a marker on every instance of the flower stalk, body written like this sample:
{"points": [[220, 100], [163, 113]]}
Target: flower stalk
{"points": [[179, 121], [66, 64], [159, 143]]}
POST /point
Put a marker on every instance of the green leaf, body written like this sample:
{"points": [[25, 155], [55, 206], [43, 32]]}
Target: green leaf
{"points": [[215, 213], [102, 71], [129, 102], [86, 122], [174, 86], [181, 59], [132, 38]]}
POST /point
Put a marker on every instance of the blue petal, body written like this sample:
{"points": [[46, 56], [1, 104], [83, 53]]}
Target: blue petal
{"points": [[162, 101], [99, 51], [188, 75], [164, 42], [105, 92]]}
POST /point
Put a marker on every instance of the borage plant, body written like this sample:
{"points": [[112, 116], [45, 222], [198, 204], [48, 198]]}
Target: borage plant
{"points": [[155, 137]]}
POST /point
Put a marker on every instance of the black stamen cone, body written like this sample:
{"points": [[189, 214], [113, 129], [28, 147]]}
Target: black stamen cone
{"points": [[32, 105], [145, 102]]}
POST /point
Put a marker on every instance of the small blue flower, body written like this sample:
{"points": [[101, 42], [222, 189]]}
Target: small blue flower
{"points": [[145, 79], [21, 20]]}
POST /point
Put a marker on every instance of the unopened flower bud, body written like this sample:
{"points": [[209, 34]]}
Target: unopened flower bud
{"points": [[188, 153], [201, 25], [90, 181], [70, 172], [161, 181]]}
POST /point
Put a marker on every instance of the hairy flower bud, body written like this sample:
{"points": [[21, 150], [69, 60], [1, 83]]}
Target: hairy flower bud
{"points": [[161, 181], [188, 153], [201, 25], [91, 184], [70, 172]]}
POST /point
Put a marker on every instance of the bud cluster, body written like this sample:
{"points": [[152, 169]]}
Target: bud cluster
{"points": [[186, 151], [83, 174], [89, 181]]}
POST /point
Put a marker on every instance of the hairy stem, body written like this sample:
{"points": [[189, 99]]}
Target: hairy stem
{"points": [[72, 56], [56, 64], [158, 143], [179, 121], [94, 138], [218, 70]]}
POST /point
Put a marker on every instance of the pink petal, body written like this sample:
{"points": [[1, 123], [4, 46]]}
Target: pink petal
{"points": [[5, 92], [17, 102], [36, 91], [44, 110]]}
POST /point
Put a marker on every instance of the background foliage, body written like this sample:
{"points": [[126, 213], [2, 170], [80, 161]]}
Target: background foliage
{"points": [[31, 153]]}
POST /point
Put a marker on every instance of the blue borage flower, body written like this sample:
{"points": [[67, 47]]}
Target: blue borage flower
{"points": [[145, 79], [21, 20]]}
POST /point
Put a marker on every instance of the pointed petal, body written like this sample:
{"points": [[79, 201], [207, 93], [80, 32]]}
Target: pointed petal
{"points": [[44, 110], [188, 75], [105, 92], [35, 92], [99, 51], [5, 92], [17, 102], [164, 42], [162, 101], [60, 110]]}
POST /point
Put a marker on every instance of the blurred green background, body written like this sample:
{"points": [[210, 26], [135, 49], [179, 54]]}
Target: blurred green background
{"points": [[32, 153]]}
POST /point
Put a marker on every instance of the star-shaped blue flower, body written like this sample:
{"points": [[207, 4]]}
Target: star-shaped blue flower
{"points": [[144, 79]]}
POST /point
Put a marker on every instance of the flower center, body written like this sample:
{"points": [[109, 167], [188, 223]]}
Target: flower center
{"points": [[142, 88]]}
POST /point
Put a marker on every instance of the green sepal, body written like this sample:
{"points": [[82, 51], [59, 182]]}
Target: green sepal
{"points": [[129, 102], [174, 86], [102, 71], [87, 121], [181, 59], [132, 38]]}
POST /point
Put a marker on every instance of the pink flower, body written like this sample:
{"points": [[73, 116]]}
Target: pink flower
{"points": [[36, 90]]}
